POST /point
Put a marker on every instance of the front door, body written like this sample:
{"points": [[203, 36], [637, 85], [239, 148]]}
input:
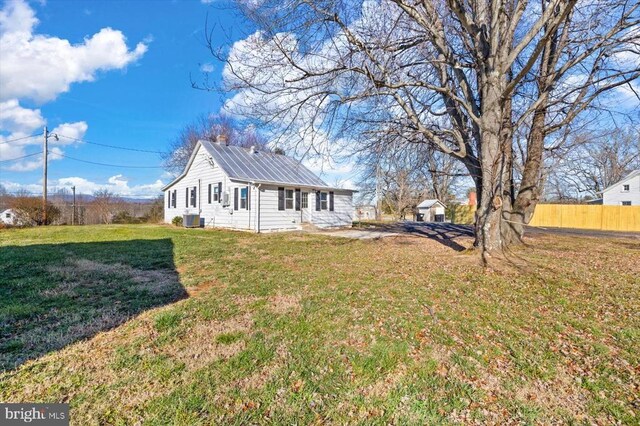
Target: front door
{"points": [[305, 212]]}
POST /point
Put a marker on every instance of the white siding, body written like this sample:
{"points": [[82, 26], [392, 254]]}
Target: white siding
{"points": [[202, 173], [342, 214], [615, 195], [272, 219]]}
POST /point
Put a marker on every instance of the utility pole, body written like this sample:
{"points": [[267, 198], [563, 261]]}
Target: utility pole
{"points": [[45, 149], [378, 193], [73, 213]]}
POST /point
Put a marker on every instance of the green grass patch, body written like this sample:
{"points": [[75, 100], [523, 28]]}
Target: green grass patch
{"points": [[164, 325]]}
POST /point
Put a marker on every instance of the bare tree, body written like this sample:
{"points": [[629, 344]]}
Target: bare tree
{"points": [[208, 127], [463, 77], [104, 205], [593, 163], [406, 175], [28, 210]]}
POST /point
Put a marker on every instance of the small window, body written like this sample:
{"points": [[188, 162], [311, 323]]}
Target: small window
{"points": [[8, 215], [288, 199], [243, 198], [323, 201], [216, 193], [305, 200], [626, 203], [193, 196], [625, 188]]}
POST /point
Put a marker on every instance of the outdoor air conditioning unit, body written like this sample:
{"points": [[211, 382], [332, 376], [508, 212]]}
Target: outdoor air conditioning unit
{"points": [[191, 220]]}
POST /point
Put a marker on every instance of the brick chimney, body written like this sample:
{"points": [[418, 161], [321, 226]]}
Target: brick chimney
{"points": [[473, 200], [222, 140]]}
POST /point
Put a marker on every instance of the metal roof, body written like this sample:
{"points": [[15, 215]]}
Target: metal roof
{"points": [[429, 203], [260, 167]]}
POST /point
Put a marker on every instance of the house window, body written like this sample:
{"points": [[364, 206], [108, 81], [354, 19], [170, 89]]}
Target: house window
{"points": [[305, 200], [193, 196], [8, 215], [288, 199], [216, 193], [323, 201], [175, 197], [169, 199], [243, 198], [626, 203], [625, 188]]}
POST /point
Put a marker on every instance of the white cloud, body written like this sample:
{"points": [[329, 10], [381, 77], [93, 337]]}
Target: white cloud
{"points": [[16, 119], [208, 67], [118, 184], [18, 149], [40, 67]]}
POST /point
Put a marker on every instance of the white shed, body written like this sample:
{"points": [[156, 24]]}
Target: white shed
{"points": [[240, 188], [624, 193], [430, 211]]}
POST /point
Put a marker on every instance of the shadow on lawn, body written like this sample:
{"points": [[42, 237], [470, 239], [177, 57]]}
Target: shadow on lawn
{"points": [[443, 233], [53, 295]]}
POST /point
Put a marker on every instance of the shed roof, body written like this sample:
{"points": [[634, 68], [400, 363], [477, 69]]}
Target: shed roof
{"points": [[430, 203], [258, 166]]}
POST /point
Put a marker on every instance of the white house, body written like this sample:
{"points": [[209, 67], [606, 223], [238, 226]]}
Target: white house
{"points": [[624, 193], [240, 188], [430, 211], [8, 217]]}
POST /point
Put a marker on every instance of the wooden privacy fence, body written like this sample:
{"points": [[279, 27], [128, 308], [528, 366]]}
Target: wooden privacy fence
{"points": [[606, 218]]}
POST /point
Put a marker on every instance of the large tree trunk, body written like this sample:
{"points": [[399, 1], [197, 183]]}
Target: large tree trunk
{"points": [[493, 228]]}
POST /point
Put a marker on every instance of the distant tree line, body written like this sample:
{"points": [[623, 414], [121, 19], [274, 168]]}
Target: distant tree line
{"points": [[101, 207]]}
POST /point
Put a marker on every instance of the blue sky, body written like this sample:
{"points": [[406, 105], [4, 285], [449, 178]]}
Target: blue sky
{"points": [[139, 97]]}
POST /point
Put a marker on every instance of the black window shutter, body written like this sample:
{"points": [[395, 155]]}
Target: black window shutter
{"points": [[193, 197], [298, 199], [173, 200], [169, 199], [209, 193], [317, 201], [186, 198], [219, 192], [235, 198], [248, 196], [280, 198], [331, 201]]}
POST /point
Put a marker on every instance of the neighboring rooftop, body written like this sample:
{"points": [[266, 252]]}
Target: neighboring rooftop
{"points": [[429, 203], [624, 179]]}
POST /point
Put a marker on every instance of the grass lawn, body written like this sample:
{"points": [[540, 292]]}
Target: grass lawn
{"points": [[163, 325]]}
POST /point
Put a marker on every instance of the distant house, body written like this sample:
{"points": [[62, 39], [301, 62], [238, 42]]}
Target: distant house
{"points": [[430, 211], [243, 188], [8, 217], [624, 193]]}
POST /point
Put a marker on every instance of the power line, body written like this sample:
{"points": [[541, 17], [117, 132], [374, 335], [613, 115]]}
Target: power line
{"points": [[111, 146], [20, 158], [18, 139], [105, 164]]}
